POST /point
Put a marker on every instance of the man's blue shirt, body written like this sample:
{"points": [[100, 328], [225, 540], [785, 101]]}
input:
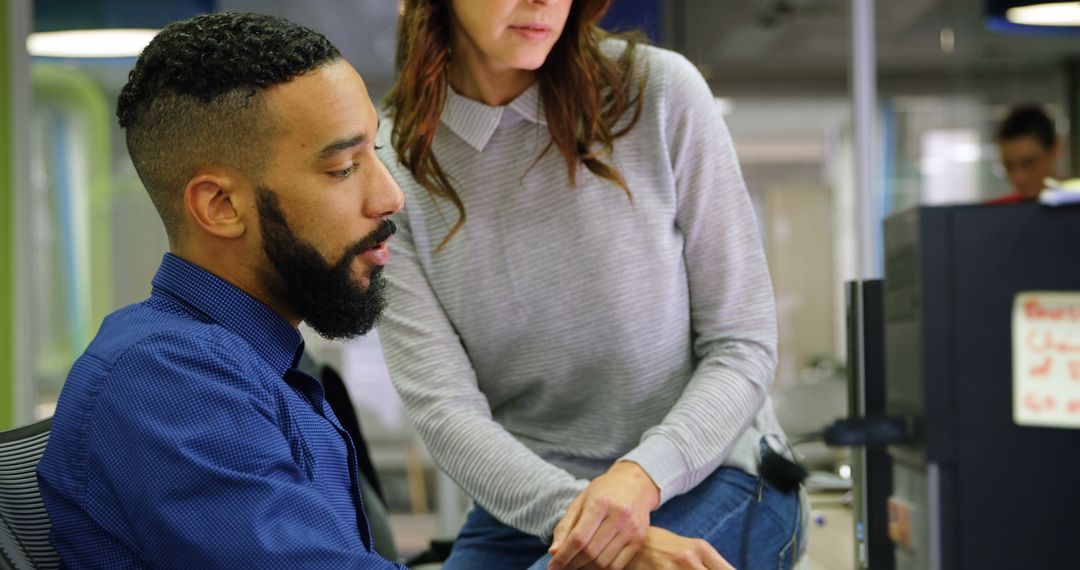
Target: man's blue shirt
{"points": [[186, 437]]}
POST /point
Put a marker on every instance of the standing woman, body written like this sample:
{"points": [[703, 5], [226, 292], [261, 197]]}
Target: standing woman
{"points": [[581, 322]]}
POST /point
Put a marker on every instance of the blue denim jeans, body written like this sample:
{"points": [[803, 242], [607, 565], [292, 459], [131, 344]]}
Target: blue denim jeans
{"points": [[751, 524]]}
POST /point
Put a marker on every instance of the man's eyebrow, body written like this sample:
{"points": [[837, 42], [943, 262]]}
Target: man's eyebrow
{"points": [[340, 145]]}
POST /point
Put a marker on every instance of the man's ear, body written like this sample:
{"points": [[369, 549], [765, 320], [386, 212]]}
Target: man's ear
{"points": [[211, 201]]}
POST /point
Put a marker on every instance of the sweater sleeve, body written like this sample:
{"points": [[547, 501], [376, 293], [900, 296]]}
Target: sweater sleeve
{"points": [[432, 372], [731, 298]]}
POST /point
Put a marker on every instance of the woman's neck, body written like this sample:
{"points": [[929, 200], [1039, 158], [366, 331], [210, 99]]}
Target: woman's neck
{"points": [[480, 79]]}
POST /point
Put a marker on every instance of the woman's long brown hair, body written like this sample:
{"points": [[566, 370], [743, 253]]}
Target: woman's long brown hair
{"points": [[584, 93]]}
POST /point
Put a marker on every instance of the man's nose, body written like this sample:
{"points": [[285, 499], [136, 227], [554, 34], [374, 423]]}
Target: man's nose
{"points": [[385, 198]]}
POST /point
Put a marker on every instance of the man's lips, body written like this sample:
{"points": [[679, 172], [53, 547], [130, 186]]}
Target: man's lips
{"points": [[373, 247], [378, 255]]}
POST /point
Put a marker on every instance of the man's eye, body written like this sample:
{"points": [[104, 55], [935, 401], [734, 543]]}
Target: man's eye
{"points": [[343, 173]]}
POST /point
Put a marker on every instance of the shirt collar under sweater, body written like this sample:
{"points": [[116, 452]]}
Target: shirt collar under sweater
{"points": [[475, 122]]}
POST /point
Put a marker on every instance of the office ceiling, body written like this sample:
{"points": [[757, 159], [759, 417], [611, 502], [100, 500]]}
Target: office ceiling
{"points": [[772, 40], [761, 46]]}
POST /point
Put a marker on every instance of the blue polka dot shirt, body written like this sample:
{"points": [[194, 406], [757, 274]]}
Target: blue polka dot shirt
{"points": [[185, 437]]}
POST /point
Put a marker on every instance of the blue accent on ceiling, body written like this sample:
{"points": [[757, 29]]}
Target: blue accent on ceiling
{"points": [[643, 15], [56, 15]]}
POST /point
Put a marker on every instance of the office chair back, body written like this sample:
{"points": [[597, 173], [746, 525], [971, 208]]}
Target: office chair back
{"points": [[24, 525]]}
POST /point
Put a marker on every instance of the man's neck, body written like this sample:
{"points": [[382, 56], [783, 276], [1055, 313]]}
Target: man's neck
{"points": [[240, 272]]}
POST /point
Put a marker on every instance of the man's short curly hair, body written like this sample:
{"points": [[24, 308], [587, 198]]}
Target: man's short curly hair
{"points": [[192, 99]]}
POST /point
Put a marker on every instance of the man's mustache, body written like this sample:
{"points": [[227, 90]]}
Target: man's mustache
{"points": [[382, 233]]}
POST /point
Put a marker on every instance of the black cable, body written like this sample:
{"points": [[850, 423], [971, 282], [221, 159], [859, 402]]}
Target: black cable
{"points": [[783, 474], [786, 475], [807, 438]]}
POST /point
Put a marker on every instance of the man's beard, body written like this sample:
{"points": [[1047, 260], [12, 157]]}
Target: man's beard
{"points": [[328, 297]]}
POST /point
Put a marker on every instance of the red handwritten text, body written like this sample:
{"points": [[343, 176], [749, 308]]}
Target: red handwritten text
{"points": [[1042, 370], [1035, 310], [1048, 341]]}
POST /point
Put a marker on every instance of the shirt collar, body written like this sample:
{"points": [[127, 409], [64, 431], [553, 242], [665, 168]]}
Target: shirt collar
{"points": [[475, 122], [272, 337]]}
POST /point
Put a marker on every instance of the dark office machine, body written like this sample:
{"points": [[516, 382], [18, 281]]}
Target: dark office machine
{"points": [[872, 473], [975, 490]]}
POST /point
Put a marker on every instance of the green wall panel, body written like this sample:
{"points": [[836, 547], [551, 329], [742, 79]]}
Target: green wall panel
{"points": [[7, 230]]}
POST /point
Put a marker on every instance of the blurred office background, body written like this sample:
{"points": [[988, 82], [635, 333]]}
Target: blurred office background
{"points": [[80, 237]]}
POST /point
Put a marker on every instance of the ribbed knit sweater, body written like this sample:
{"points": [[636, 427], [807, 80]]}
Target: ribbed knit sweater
{"points": [[565, 326]]}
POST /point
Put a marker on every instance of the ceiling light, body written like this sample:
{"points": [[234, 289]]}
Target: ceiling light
{"points": [[89, 43], [1048, 14]]}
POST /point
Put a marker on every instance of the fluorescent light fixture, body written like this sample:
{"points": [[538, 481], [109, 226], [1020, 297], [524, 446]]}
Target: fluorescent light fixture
{"points": [[1048, 14], [89, 43]]}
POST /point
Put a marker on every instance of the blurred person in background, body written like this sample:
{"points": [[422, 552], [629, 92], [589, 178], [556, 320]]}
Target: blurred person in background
{"points": [[581, 325], [1028, 148]]}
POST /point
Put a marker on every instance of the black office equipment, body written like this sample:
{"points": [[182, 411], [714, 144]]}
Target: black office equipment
{"points": [[975, 490], [872, 471]]}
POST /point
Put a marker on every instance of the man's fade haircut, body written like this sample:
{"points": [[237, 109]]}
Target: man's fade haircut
{"points": [[191, 100], [1028, 121]]}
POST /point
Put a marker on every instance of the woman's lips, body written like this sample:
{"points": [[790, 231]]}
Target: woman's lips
{"points": [[532, 31]]}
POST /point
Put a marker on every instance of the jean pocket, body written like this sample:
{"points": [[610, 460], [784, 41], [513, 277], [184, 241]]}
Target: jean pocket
{"points": [[789, 553], [795, 547]]}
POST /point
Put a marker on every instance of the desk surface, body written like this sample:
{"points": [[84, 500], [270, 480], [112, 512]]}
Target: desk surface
{"points": [[832, 544]]}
